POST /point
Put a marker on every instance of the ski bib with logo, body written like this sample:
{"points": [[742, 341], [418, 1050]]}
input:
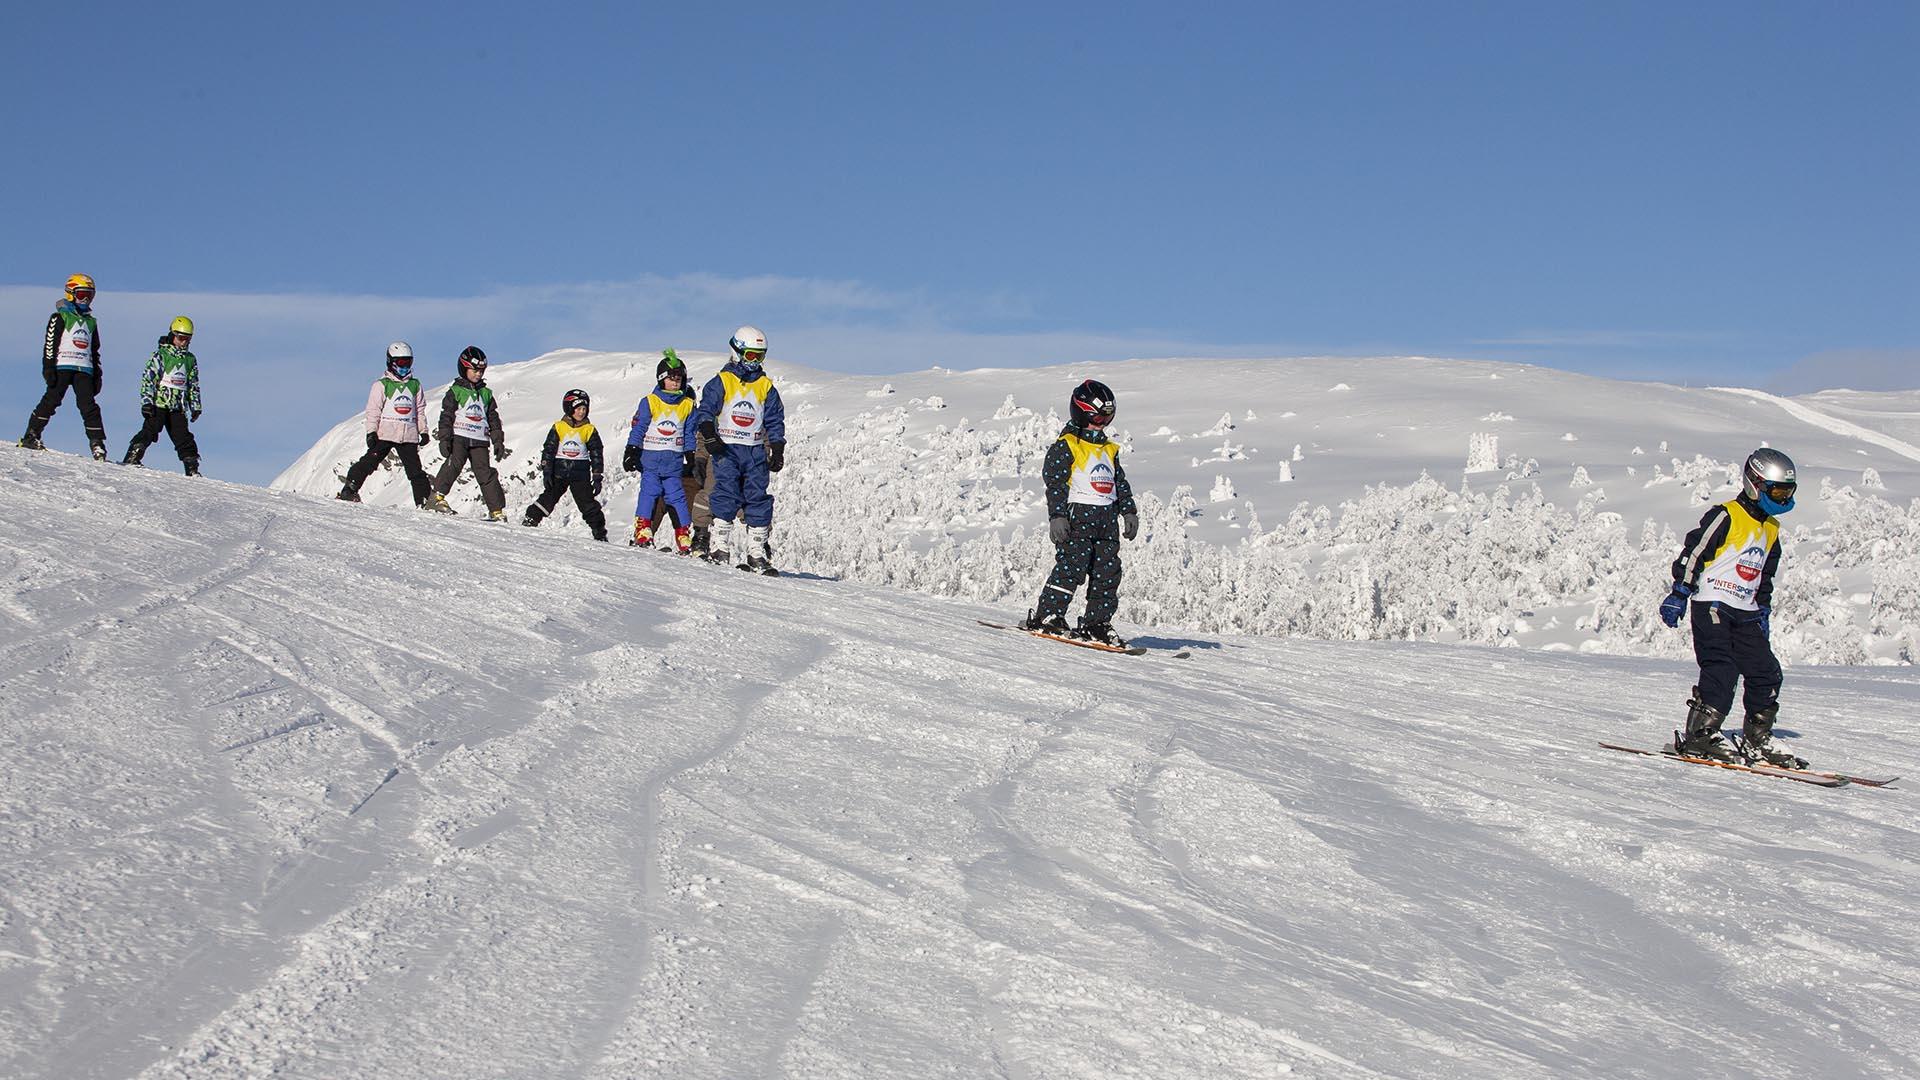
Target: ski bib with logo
{"points": [[743, 409], [1095, 479], [667, 429], [77, 336], [1732, 576], [470, 412], [170, 384], [402, 401], [572, 441]]}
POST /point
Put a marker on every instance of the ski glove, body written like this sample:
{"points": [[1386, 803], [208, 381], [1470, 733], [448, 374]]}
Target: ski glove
{"points": [[446, 448], [686, 463], [630, 460], [1766, 622], [1129, 525], [1675, 605], [425, 438], [597, 482], [711, 437], [373, 439], [776, 456], [194, 416], [147, 410], [1057, 530], [504, 452]]}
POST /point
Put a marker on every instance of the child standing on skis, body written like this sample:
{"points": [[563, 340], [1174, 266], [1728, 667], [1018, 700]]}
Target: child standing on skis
{"points": [[1723, 582], [393, 425], [169, 398], [469, 426], [71, 358], [744, 427], [572, 461], [660, 445], [1089, 508]]}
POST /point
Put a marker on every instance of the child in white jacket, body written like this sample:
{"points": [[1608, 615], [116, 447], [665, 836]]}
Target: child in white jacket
{"points": [[393, 423]]}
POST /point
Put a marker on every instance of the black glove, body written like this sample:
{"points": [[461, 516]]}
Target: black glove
{"points": [[503, 452], [99, 377], [446, 448], [630, 461], [1058, 529], [776, 456], [147, 409], [194, 416], [686, 463], [1129, 525], [712, 438], [1675, 605], [373, 439], [597, 481]]}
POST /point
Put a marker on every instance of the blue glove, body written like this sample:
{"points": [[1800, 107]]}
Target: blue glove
{"points": [[1766, 622], [1675, 605]]}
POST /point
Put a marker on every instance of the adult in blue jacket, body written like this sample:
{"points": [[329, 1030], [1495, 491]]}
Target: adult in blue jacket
{"points": [[660, 446], [744, 427]]}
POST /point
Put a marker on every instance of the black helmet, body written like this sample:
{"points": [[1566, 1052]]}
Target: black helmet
{"points": [[473, 360], [573, 400], [670, 364], [1091, 404]]}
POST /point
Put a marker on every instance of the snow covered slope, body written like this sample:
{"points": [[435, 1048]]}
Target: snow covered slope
{"points": [[290, 787], [1287, 496]]}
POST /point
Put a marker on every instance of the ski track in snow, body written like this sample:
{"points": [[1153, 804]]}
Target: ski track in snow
{"points": [[1806, 414], [297, 788]]}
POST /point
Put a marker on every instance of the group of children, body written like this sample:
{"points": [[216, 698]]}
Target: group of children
{"points": [[70, 360], [720, 448], [709, 459]]}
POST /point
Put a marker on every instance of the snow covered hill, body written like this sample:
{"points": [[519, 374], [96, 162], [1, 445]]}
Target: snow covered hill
{"points": [[1397, 498], [296, 788]]}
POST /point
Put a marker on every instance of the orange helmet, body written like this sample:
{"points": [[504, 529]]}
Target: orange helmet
{"points": [[79, 282]]}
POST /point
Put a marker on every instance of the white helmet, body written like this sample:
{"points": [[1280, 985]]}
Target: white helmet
{"points": [[400, 358], [749, 339]]}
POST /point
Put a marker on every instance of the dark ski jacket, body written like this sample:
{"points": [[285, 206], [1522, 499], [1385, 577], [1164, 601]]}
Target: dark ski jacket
{"points": [[457, 395], [1705, 542], [555, 467], [1057, 472]]}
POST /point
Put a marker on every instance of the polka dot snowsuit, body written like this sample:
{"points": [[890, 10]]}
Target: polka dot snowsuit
{"points": [[1092, 551]]}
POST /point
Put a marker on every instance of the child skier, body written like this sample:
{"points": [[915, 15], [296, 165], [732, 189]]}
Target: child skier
{"points": [[469, 425], [660, 446], [572, 461], [1089, 507], [744, 428], [1723, 581], [393, 425], [169, 398], [71, 358]]}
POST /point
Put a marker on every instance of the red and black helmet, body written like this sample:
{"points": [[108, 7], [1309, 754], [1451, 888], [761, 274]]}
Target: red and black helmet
{"points": [[473, 362], [573, 400], [1091, 404]]}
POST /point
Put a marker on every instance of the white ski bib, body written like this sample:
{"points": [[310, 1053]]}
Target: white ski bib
{"points": [[399, 407], [470, 422], [75, 352]]}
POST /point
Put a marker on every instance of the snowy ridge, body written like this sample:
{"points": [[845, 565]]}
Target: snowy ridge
{"points": [[1807, 414], [300, 788], [1392, 498]]}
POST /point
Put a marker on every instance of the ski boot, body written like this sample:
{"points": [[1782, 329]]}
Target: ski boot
{"points": [[191, 466], [438, 504], [642, 533], [682, 543], [1757, 742], [1099, 634], [759, 556], [698, 545], [532, 516], [99, 451], [1055, 625], [31, 440], [1702, 736], [348, 494], [135, 451], [600, 535], [497, 515]]}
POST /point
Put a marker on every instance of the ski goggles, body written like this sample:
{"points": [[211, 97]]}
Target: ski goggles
{"points": [[180, 338], [84, 296], [1780, 492], [753, 356]]}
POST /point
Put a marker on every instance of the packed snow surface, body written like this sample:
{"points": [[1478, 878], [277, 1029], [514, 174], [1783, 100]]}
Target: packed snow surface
{"points": [[292, 787]]}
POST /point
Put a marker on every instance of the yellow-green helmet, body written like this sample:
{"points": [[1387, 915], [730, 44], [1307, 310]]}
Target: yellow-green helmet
{"points": [[181, 325]]}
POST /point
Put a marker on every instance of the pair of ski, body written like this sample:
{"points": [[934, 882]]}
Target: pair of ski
{"points": [[1805, 776], [1082, 643]]}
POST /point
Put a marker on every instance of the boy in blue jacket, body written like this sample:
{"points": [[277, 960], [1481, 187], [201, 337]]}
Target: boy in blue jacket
{"points": [[744, 427], [660, 446]]}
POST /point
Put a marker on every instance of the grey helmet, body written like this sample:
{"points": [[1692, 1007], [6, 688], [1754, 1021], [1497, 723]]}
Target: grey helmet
{"points": [[1769, 480]]}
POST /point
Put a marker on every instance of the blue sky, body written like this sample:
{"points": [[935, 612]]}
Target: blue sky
{"points": [[1698, 192]]}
